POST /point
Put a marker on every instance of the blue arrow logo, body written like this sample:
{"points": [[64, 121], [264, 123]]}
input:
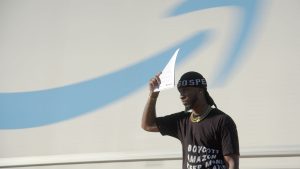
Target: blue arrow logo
{"points": [[38, 108]]}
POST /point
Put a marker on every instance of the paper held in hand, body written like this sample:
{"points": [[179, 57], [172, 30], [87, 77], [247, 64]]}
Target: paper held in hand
{"points": [[167, 77]]}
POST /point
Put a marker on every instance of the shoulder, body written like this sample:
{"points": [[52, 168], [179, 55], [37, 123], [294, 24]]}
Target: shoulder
{"points": [[221, 117], [178, 115], [219, 113]]}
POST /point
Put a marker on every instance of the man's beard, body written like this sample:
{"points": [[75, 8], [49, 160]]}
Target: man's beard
{"points": [[191, 105], [187, 108]]}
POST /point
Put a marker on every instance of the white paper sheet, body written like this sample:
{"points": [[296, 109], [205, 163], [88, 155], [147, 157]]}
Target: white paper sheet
{"points": [[167, 77]]}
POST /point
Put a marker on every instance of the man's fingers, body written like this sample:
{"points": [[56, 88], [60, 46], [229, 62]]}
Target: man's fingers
{"points": [[157, 78], [155, 81]]}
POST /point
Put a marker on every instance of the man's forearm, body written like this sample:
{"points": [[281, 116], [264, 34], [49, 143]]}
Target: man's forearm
{"points": [[149, 114]]}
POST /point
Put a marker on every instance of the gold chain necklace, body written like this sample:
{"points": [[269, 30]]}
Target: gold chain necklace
{"points": [[199, 118]]}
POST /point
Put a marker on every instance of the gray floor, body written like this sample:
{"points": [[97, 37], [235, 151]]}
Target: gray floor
{"points": [[245, 163]]}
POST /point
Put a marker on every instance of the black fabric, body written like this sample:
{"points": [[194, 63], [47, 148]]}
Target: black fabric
{"points": [[204, 143], [192, 79]]}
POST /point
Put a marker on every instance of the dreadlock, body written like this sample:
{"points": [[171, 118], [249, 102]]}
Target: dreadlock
{"points": [[209, 100]]}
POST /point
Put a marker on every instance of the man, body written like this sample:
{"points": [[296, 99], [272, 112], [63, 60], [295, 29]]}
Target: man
{"points": [[208, 136]]}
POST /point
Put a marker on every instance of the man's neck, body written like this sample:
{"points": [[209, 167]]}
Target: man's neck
{"points": [[201, 109]]}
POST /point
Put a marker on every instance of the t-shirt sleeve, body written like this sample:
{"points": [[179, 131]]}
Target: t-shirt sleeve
{"points": [[229, 136], [169, 125]]}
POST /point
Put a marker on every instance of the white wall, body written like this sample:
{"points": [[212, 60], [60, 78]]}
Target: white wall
{"points": [[56, 44]]}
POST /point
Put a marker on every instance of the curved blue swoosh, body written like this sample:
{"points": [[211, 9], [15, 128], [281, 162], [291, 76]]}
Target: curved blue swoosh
{"points": [[37, 108], [249, 9]]}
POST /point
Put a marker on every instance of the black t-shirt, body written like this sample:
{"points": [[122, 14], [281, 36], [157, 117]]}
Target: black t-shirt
{"points": [[204, 143]]}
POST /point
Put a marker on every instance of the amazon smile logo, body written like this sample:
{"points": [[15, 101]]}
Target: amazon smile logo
{"points": [[38, 108]]}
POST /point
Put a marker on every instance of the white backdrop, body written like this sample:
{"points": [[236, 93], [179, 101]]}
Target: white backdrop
{"points": [[53, 44]]}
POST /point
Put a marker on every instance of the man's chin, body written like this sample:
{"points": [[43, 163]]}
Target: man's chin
{"points": [[187, 108]]}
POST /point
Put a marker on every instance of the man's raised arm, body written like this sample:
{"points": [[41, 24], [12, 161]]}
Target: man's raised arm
{"points": [[149, 114]]}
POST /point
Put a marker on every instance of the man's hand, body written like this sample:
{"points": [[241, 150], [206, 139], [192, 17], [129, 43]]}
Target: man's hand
{"points": [[153, 84], [232, 161]]}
